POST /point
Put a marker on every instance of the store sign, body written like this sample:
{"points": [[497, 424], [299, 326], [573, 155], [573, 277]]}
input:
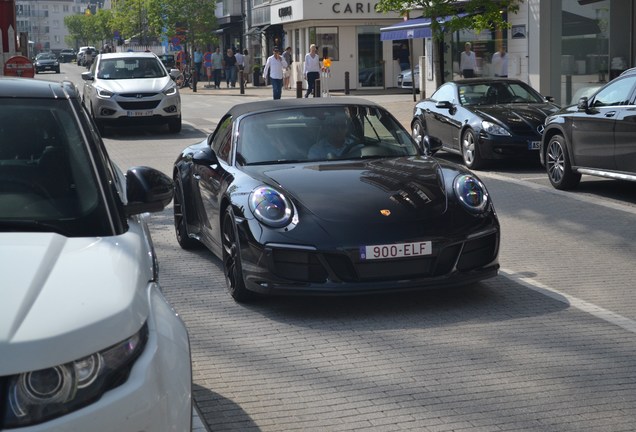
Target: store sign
{"points": [[353, 8], [286, 11]]}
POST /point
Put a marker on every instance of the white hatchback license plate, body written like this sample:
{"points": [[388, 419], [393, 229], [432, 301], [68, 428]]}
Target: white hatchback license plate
{"points": [[140, 113], [534, 145], [399, 250]]}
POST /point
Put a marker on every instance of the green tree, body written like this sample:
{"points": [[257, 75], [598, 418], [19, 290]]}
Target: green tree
{"points": [[81, 30], [479, 15]]}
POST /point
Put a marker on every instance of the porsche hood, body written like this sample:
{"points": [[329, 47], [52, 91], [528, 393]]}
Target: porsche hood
{"points": [[408, 188]]}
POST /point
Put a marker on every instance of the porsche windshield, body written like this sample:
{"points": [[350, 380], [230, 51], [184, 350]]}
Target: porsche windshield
{"points": [[321, 133]]}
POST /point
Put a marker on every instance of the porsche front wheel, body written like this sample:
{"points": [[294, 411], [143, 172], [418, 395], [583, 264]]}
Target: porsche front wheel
{"points": [[180, 220], [232, 266]]}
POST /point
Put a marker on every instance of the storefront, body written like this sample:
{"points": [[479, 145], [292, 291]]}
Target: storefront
{"points": [[348, 33]]}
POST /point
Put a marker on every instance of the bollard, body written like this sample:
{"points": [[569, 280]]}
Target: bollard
{"points": [[195, 79], [346, 83], [241, 81], [299, 89], [317, 90]]}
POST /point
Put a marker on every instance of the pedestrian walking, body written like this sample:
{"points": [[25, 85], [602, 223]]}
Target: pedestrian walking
{"points": [[467, 61], [275, 65], [229, 64], [198, 62], [500, 63], [217, 67], [311, 69], [207, 64], [240, 65], [287, 55], [247, 66]]}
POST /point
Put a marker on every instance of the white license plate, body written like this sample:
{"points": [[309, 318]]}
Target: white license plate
{"points": [[140, 113], [399, 250], [534, 145]]}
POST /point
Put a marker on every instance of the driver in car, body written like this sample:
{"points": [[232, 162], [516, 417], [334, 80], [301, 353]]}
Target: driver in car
{"points": [[334, 142]]}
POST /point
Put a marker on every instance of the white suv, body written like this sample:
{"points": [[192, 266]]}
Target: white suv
{"points": [[132, 88]]}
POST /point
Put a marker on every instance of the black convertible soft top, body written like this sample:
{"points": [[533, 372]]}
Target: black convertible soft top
{"points": [[273, 105]]}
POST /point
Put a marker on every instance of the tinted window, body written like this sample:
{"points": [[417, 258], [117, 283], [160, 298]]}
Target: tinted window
{"points": [[615, 93], [221, 141]]}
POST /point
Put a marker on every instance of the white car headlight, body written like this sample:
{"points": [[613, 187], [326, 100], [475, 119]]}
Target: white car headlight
{"points": [[103, 93], [37, 396], [471, 193], [172, 89], [494, 129], [271, 207]]}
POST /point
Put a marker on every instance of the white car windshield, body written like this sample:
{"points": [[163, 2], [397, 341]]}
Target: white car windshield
{"points": [[130, 68]]}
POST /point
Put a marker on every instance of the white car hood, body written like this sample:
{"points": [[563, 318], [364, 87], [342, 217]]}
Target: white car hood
{"points": [[64, 298], [136, 85]]}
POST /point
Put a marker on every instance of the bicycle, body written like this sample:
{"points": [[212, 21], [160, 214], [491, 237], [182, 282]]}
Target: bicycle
{"points": [[184, 79]]}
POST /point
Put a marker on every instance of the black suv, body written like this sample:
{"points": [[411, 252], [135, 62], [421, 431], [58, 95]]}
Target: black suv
{"points": [[595, 137]]}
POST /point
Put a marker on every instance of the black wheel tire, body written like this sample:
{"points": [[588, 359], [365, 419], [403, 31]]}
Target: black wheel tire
{"points": [[470, 150], [174, 125], [558, 166], [232, 267], [181, 221]]}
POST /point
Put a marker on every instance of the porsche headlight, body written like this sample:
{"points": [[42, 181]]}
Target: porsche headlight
{"points": [[471, 193], [271, 207], [37, 396], [494, 129]]}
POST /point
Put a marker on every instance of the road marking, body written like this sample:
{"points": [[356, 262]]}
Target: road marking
{"points": [[597, 311]]}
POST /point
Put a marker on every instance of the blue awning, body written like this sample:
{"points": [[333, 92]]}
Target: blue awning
{"points": [[415, 28]]}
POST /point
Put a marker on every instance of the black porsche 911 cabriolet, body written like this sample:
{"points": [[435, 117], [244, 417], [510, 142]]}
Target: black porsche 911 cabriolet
{"points": [[330, 196], [483, 119]]}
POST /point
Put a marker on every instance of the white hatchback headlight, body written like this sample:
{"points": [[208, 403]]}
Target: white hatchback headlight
{"points": [[37, 396]]}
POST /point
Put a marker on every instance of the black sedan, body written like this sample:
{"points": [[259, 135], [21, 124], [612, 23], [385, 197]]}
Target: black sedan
{"points": [[595, 137], [46, 62], [483, 119], [330, 196]]}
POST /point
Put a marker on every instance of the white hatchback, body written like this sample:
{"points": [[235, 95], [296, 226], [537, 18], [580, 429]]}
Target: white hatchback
{"points": [[87, 340]]}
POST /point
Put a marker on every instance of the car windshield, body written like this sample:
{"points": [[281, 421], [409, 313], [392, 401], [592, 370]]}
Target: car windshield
{"points": [[130, 68], [497, 92], [45, 56], [321, 133], [47, 181]]}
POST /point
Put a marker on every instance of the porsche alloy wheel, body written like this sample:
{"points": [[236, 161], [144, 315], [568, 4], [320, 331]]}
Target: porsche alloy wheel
{"points": [[470, 150], [180, 220], [232, 266], [557, 162]]}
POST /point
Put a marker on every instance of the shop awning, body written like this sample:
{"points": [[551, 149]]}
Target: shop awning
{"points": [[576, 25], [415, 28]]}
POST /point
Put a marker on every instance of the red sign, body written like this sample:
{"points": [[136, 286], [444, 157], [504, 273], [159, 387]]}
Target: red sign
{"points": [[19, 66]]}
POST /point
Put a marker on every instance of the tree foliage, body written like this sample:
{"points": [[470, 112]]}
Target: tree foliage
{"points": [[479, 15]]}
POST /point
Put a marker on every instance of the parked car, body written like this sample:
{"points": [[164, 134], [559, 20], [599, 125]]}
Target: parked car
{"points": [[46, 62], [330, 196], [88, 341], [405, 78], [132, 88], [594, 137], [67, 55], [483, 119], [80, 54]]}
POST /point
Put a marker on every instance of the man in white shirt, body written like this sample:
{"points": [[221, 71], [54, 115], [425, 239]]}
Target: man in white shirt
{"points": [[311, 69], [467, 62], [275, 65], [500, 63]]}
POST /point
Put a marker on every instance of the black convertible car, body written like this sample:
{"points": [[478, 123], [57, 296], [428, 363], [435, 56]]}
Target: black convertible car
{"points": [[483, 119], [330, 196]]}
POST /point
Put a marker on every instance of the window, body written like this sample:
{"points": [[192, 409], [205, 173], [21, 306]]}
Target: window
{"points": [[221, 143], [616, 93], [445, 93], [326, 39]]}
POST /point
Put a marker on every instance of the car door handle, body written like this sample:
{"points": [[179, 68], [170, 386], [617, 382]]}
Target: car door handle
{"points": [[610, 114]]}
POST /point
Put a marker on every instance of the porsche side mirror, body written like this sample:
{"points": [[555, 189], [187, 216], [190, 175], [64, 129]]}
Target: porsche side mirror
{"points": [[147, 190], [205, 157]]}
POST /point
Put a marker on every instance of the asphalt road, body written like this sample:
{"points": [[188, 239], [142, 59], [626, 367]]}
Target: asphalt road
{"points": [[548, 345]]}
